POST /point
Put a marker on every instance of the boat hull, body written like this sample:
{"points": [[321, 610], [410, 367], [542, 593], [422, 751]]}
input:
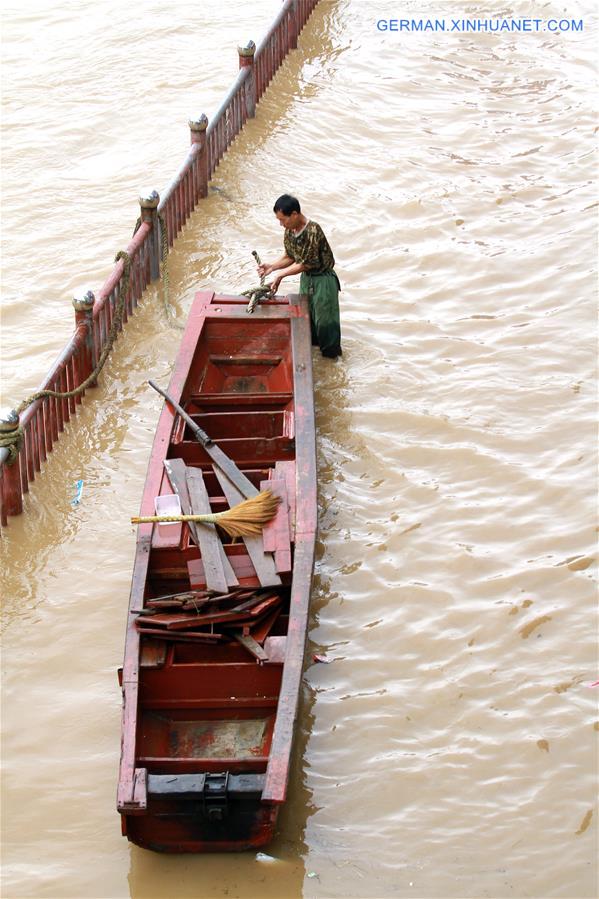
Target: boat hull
{"points": [[209, 709], [179, 826]]}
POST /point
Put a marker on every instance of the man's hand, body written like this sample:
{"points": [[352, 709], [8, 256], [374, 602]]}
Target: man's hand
{"points": [[274, 285], [264, 270]]}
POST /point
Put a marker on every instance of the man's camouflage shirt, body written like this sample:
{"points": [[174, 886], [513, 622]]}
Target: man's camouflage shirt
{"points": [[311, 248]]}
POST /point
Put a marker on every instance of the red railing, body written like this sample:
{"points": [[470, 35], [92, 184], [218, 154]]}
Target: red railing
{"points": [[44, 420]]}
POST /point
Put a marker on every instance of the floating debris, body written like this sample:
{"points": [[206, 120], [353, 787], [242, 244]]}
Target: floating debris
{"points": [[263, 857], [527, 630], [585, 822], [77, 498]]}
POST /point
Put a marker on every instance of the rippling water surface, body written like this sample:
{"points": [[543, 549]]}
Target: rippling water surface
{"points": [[448, 749]]}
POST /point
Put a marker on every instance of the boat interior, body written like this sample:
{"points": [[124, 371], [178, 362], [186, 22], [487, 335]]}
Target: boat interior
{"points": [[211, 655]]}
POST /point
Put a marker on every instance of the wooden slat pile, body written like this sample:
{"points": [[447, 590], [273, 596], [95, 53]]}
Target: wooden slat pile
{"points": [[217, 608], [202, 616]]}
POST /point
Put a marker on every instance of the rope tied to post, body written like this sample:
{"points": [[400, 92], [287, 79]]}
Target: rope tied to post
{"points": [[168, 309], [110, 340], [11, 433], [12, 439], [170, 313]]}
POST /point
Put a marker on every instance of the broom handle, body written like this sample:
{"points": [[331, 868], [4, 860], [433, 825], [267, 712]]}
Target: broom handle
{"points": [[150, 519], [200, 435]]}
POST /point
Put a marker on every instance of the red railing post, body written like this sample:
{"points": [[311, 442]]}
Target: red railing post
{"points": [[246, 60], [148, 203], [12, 496], [293, 26], [197, 128], [84, 315]]}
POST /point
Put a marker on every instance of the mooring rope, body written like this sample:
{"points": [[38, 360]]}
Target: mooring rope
{"points": [[257, 294], [168, 309], [170, 312], [13, 439]]}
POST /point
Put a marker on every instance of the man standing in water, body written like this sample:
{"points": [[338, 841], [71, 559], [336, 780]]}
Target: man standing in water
{"points": [[307, 251]]}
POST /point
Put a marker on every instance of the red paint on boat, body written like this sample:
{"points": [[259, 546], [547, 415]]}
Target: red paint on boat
{"points": [[209, 711]]}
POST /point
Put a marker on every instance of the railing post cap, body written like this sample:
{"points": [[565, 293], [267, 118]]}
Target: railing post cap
{"points": [[199, 124], [84, 301], [247, 49], [9, 420], [149, 199]]}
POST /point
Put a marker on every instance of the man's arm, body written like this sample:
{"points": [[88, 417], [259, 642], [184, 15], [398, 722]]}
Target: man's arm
{"points": [[267, 267], [294, 269]]}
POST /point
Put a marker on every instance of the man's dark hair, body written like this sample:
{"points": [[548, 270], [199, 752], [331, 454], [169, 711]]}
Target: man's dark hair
{"points": [[287, 204]]}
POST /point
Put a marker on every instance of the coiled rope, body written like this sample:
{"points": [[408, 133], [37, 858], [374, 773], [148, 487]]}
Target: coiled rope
{"points": [[168, 309], [13, 439], [257, 294], [170, 312]]}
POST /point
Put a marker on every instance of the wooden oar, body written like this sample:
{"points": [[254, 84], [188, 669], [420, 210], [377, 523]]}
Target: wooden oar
{"points": [[226, 465]]}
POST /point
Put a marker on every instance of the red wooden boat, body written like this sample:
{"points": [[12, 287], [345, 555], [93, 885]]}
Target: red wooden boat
{"points": [[217, 628]]}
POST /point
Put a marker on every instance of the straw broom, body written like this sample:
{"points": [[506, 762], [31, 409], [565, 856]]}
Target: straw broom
{"points": [[246, 519]]}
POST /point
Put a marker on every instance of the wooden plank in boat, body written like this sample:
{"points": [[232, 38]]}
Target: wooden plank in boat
{"points": [[268, 531], [286, 471], [209, 400], [152, 654], [257, 605], [171, 622], [255, 359], [184, 636], [218, 578], [211, 548], [242, 567], [252, 609], [189, 622], [249, 450], [240, 594], [252, 647], [175, 469], [262, 562], [180, 597], [263, 628], [268, 603], [229, 572], [276, 533]]}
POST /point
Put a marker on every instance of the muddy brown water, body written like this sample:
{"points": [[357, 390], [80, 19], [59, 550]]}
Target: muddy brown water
{"points": [[449, 747]]}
